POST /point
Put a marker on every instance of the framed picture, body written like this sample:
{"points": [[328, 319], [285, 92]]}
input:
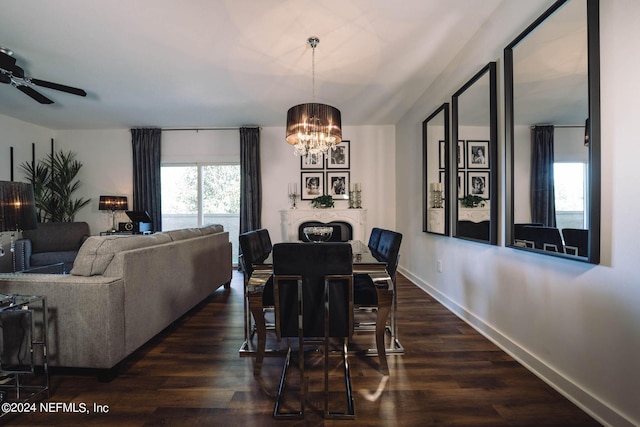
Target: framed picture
{"points": [[338, 184], [441, 155], [478, 183], [311, 185], [339, 157], [312, 161], [477, 154], [461, 185], [460, 154]]}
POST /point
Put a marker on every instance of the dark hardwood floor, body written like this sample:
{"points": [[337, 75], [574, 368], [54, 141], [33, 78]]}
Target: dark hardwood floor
{"points": [[192, 375]]}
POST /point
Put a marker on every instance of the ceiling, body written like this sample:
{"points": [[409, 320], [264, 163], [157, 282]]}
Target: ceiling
{"points": [[202, 63]]}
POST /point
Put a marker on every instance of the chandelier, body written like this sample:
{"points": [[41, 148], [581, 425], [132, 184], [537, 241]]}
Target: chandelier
{"points": [[313, 128]]}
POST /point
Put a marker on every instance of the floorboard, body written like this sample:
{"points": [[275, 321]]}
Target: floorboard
{"points": [[192, 375]]}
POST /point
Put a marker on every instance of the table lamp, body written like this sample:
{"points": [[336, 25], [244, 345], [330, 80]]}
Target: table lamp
{"points": [[113, 204], [17, 210]]}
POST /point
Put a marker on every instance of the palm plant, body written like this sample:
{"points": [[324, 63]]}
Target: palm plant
{"points": [[54, 183]]}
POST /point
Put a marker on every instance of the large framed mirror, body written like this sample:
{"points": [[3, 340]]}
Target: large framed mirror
{"points": [[435, 157], [552, 123], [474, 158]]}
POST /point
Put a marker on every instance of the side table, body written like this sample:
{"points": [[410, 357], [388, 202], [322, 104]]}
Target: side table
{"points": [[23, 348]]}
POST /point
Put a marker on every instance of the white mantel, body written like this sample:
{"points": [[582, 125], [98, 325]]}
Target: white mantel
{"points": [[292, 218]]}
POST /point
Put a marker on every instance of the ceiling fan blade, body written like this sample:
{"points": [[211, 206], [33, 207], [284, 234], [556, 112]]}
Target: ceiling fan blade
{"points": [[4, 78], [27, 90], [6, 61], [56, 86], [18, 72]]}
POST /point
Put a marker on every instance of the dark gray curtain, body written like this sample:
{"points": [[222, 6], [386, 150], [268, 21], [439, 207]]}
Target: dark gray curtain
{"points": [[543, 207], [250, 179], [146, 173]]}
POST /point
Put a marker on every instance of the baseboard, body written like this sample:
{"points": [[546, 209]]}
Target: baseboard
{"points": [[599, 410]]}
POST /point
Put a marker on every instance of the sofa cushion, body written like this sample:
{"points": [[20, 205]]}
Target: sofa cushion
{"points": [[57, 236], [96, 253], [185, 233], [212, 229]]}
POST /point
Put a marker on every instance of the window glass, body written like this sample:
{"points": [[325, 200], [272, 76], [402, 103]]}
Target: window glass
{"points": [[569, 187], [196, 195]]}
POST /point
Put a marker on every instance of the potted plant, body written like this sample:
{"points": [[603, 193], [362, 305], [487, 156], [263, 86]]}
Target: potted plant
{"points": [[325, 201], [54, 183], [472, 201]]}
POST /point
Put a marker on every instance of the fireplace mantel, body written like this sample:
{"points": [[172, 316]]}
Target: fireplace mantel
{"points": [[292, 218]]}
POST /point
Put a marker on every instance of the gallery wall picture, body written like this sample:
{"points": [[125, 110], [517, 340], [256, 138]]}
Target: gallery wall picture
{"points": [[477, 154], [478, 183], [312, 161], [311, 185], [339, 157], [338, 184]]}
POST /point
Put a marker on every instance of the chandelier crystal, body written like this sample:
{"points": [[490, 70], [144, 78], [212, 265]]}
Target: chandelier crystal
{"points": [[313, 128]]}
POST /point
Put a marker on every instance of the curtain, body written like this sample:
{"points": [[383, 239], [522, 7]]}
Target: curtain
{"points": [[543, 208], [146, 173], [250, 179]]}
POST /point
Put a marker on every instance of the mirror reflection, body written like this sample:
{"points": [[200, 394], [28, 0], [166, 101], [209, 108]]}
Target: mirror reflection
{"points": [[435, 140], [475, 158], [551, 157]]}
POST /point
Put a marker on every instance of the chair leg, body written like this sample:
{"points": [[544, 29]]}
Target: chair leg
{"points": [[282, 386], [351, 410], [255, 306], [385, 298]]}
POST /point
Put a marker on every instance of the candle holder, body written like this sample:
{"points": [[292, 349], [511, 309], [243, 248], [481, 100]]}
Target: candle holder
{"points": [[351, 199], [292, 198], [436, 199], [358, 199]]}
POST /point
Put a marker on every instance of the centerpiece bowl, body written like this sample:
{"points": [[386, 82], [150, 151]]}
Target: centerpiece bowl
{"points": [[318, 234]]}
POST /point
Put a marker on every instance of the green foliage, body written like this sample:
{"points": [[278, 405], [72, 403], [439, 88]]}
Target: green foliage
{"points": [[325, 201], [471, 201], [54, 183], [220, 189]]}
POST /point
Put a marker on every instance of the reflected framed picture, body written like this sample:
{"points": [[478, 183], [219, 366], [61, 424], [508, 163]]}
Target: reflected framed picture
{"points": [[461, 154], [311, 185], [461, 185], [478, 184], [339, 157], [312, 161], [477, 154], [338, 184], [441, 154]]}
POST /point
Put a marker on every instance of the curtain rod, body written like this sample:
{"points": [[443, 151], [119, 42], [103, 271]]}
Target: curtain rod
{"points": [[210, 128], [561, 126]]}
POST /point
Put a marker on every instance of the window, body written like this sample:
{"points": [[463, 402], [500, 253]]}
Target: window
{"points": [[199, 194], [569, 183]]}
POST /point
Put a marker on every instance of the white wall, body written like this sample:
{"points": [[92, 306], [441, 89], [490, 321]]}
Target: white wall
{"points": [[107, 170], [574, 324], [372, 164]]}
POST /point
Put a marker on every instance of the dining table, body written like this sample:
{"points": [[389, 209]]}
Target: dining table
{"points": [[364, 262]]}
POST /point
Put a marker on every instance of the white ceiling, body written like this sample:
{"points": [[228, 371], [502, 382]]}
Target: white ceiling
{"points": [[200, 63]]}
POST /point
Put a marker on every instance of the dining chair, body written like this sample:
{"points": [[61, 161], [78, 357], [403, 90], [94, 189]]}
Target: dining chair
{"points": [[367, 295], [313, 289], [255, 247], [576, 241]]}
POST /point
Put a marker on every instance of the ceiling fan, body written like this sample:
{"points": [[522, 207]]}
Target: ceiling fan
{"points": [[12, 74]]}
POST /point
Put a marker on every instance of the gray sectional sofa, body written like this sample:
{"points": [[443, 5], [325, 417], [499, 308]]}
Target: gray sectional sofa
{"points": [[123, 290]]}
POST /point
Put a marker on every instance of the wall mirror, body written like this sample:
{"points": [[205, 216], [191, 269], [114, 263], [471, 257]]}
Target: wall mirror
{"points": [[552, 117], [435, 157], [474, 158]]}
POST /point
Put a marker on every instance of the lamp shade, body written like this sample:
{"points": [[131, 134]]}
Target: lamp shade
{"points": [[17, 206], [313, 119], [113, 203]]}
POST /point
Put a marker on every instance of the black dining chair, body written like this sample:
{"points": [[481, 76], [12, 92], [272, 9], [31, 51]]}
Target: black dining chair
{"points": [[255, 247], [384, 246], [576, 241], [313, 288]]}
